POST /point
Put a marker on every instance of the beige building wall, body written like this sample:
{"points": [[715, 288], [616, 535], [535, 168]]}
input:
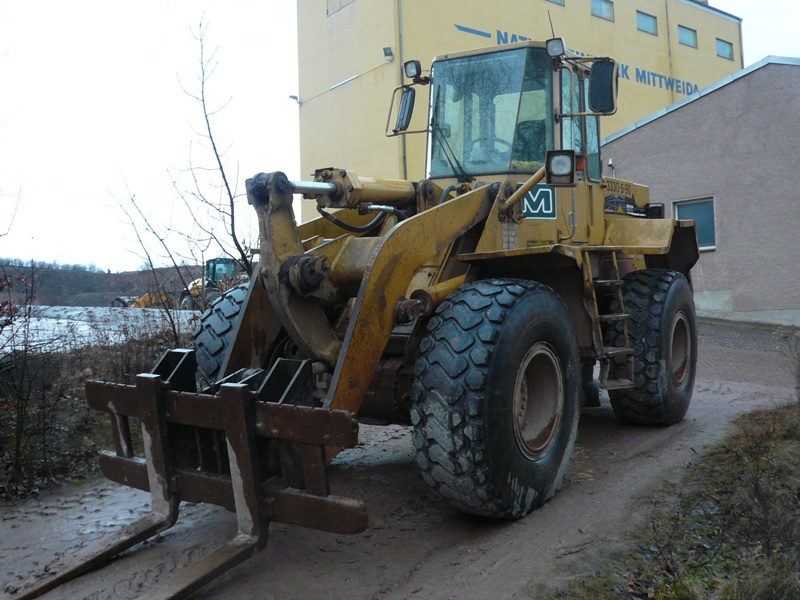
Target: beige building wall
{"points": [[346, 82], [736, 145], [345, 85]]}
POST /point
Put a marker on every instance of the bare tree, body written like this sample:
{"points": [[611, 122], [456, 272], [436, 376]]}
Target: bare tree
{"points": [[162, 294], [13, 212], [208, 197], [216, 224]]}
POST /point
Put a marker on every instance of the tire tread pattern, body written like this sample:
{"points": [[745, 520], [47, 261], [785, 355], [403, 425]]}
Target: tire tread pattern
{"points": [[450, 382], [214, 333], [645, 295]]}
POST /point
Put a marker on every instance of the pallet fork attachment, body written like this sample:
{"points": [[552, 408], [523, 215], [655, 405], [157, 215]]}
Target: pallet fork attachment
{"points": [[245, 427]]}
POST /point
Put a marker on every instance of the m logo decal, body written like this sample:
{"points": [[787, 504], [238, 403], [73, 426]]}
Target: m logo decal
{"points": [[540, 203]]}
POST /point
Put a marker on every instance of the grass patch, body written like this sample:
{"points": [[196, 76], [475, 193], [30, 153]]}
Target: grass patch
{"points": [[730, 531]]}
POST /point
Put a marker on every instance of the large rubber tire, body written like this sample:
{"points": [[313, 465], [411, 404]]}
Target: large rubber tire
{"points": [[496, 397], [214, 333], [188, 303], [212, 295], [662, 327]]}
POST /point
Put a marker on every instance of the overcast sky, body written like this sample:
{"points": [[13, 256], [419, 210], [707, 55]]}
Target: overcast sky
{"points": [[92, 110]]}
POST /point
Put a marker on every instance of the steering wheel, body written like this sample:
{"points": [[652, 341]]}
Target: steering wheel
{"points": [[493, 153]]}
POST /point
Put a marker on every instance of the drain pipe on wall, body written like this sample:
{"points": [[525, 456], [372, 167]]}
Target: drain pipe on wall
{"points": [[404, 147]]}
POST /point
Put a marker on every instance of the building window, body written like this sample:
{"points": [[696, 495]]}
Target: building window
{"points": [[724, 49], [646, 23], [603, 9], [702, 211], [687, 37], [561, 2]]}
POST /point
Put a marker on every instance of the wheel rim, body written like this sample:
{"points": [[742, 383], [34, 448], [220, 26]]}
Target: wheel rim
{"points": [[681, 350], [538, 401]]}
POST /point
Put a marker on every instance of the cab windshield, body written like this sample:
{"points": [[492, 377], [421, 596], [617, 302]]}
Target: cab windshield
{"points": [[222, 269], [491, 113]]}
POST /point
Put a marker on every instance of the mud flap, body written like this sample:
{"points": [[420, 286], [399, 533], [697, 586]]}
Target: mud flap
{"points": [[236, 412]]}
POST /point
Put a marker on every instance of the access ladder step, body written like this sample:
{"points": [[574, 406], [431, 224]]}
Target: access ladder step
{"points": [[606, 282], [612, 351], [618, 384], [613, 317]]}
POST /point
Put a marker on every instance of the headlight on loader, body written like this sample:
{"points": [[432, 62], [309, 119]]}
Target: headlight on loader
{"points": [[560, 167]]}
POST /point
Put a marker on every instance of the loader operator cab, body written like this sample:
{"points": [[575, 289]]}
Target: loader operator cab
{"points": [[219, 269], [489, 113], [497, 112]]}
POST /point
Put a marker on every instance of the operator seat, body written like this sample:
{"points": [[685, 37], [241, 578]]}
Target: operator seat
{"points": [[530, 141]]}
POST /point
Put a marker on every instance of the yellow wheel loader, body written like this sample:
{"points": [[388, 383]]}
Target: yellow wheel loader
{"points": [[153, 299], [475, 305], [220, 275]]}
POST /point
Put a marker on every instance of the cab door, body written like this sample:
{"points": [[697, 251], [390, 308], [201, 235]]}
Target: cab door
{"points": [[579, 133]]}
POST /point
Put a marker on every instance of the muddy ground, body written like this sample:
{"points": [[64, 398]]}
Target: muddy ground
{"points": [[416, 547]]}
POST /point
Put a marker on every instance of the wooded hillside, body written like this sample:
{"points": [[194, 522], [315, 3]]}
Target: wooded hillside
{"points": [[59, 286]]}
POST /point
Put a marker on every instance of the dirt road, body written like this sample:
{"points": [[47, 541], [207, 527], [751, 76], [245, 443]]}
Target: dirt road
{"points": [[416, 547]]}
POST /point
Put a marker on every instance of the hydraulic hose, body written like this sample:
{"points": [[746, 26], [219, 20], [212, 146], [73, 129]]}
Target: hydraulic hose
{"points": [[353, 228]]}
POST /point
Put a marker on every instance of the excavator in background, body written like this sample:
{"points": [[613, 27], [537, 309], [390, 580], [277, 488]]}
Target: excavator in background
{"points": [[146, 300]]}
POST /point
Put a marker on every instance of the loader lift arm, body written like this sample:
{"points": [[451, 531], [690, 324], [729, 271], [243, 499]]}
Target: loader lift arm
{"points": [[388, 265]]}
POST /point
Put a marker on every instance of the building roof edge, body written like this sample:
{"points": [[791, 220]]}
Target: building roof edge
{"points": [[714, 9], [768, 60]]}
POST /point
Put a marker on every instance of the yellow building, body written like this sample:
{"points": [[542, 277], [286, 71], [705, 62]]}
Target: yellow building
{"points": [[351, 54]]}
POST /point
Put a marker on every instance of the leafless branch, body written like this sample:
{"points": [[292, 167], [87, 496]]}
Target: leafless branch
{"points": [[221, 212], [162, 296], [13, 212]]}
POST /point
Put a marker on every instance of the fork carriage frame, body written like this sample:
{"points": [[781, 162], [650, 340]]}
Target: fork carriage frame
{"points": [[243, 420]]}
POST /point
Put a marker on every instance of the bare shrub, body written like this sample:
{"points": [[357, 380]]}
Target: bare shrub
{"points": [[792, 340], [47, 431], [31, 390]]}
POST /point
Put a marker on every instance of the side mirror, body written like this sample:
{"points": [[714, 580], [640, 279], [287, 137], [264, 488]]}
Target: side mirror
{"points": [[603, 80], [406, 109]]}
